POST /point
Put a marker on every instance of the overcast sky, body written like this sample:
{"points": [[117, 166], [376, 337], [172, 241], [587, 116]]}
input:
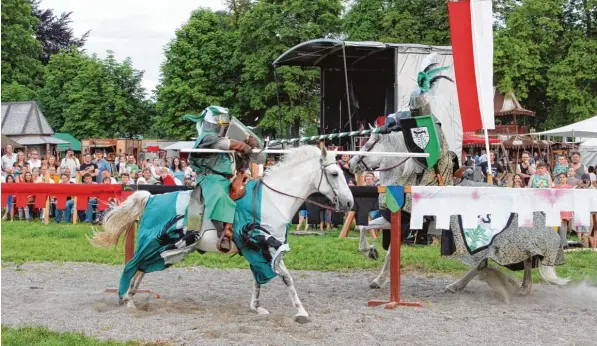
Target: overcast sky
{"points": [[138, 29]]}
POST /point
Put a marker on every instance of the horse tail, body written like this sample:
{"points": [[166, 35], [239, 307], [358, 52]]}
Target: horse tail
{"points": [[548, 274], [119, 220]]}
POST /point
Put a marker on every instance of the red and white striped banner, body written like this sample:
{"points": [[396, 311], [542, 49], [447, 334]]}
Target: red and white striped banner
{"points": [[471, 30]]}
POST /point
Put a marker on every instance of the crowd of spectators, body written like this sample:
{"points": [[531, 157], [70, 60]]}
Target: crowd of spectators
{"points": [[94, 169]]}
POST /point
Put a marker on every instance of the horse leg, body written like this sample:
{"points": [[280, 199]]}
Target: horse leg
{"points": [[128, 296], [380, 280], [301, 316], [364, 245], [527, 279], [255, 301], [137, 283], [460, 284]]}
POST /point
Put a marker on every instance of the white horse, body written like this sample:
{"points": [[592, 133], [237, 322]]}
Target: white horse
{"points": [[302, 172], [512, 246]]}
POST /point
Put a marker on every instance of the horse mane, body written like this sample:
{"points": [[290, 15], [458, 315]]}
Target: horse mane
{"points": [[295, 157]]}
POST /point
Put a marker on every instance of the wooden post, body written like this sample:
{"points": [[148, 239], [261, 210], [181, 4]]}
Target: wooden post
{"points": [[47, 211], [395, 244], [76, 212], [347, 224]]}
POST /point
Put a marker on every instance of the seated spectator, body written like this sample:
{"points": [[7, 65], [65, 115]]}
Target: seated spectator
{"points": [[92, 202], [125, 179], [561, 167], [583, 232], [147, 178], [108, 174], [572, 180], [540, 180], [27, 179], [187, 169], [177, 169], [54, 176], [518, 181], [165, 177], [65, 179]]}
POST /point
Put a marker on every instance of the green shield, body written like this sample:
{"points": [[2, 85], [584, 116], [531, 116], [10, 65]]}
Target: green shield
{"points": [[421, 136]]}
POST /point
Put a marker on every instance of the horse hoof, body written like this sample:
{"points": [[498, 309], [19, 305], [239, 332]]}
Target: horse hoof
{"points": [[374, 285], [302, 319], [261, 311], [373, 254], [130, 304], [451, 288]]}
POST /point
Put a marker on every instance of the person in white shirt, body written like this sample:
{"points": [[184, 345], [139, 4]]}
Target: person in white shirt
{"points": [[70, 162], [8, 160], [106, 174], [35, 162]]}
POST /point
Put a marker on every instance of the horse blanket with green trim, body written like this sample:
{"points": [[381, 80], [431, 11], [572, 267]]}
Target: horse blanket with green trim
{"points": [[163, 224]]}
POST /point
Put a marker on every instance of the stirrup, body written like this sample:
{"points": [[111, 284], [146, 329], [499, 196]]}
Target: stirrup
{"points": [[278, 255]]}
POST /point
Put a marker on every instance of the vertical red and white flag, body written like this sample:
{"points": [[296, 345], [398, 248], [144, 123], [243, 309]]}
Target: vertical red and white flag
{"points": [[471, 30]]}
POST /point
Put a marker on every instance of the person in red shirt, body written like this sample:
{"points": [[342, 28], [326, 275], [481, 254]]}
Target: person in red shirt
{"points": [[165, 177]]}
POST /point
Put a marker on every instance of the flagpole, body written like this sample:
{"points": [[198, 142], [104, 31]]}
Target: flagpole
{"points": [[489, 174]]}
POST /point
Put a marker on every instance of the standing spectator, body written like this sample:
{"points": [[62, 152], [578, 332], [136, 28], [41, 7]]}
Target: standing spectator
{"points": [[120, 161], [584, 231], [565, 216], [497, 170], [344, 165], [592, 175], [37, 178], [526, 169], [177, 169], [477, 159], [68, 173], [20, 171], [483, 157], [9, 180], [541, 179], [8, 161], [21, 162], [131, 166], [561, 167], [92, 202], [579, 168], [147, 178], [35, 162], [165, 178], [303, 217], [52, 163], [27, 179], [185, 166], [102, 166], [70, 162], [89, 167]]}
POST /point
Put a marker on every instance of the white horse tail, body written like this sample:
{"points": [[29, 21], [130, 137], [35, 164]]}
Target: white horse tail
{"points": [[120, 220], [548, 274]]}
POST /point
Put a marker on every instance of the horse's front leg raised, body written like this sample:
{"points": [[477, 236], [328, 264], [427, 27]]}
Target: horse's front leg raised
{"points": [[134, 285], [255, 307], [301, 316]]}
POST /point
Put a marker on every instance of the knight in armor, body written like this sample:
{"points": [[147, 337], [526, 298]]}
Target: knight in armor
{"points": [[214, 171]]}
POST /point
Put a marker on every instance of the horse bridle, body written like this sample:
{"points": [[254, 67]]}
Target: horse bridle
{"points": [[335, 199], [364, 165]]}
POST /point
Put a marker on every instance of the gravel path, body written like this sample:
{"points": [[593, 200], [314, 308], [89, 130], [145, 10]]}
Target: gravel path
{"points": [[200, 306]]}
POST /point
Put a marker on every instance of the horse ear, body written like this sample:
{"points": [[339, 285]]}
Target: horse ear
{"points": [[324, 153]]}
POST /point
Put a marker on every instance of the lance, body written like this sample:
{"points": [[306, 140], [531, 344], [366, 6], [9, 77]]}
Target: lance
{"points": [[286, 151]]}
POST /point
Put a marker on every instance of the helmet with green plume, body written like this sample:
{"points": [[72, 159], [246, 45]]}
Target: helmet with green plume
{"points": [[427, 78], [213, 119]]}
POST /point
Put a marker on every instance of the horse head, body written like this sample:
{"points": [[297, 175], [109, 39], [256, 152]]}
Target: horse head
{"points": [[331, 182]]}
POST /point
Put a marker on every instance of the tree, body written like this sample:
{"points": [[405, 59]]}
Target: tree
{"points": [[17, 92], [424, 22], [53, 32], [90, 97], [20, 49], [200, 70], [267, 30]]}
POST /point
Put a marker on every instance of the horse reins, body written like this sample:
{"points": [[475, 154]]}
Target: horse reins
{"points": [[379, 169]]}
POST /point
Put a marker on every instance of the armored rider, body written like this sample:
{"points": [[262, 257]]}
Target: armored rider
{"points": [[214, 171]]}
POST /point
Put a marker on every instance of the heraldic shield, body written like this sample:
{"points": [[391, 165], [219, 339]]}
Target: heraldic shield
{"points": [[421, 136]]}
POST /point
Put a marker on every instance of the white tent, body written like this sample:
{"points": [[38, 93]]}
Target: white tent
{"points": [[588, 152], [585, 129]]}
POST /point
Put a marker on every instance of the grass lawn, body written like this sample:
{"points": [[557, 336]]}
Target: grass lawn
{"points": [[45, 337], [25, 242]]}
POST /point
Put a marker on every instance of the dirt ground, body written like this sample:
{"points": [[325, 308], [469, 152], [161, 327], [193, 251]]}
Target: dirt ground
{"points": [[200, 306]]}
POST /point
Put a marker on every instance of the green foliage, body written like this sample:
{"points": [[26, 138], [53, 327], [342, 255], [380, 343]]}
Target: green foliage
{"points": [[41, 336], [14, 92], [87, 96], [200, 70], [267, 30], [20, 49]]}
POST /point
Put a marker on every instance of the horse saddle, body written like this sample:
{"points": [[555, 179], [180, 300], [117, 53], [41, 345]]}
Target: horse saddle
{"points": [[237, 188]]}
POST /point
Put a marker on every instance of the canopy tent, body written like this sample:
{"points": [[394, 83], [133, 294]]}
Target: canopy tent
{"points": [[73, 143], [588, 152], [585, 129], [468, 139], [38, 140]]}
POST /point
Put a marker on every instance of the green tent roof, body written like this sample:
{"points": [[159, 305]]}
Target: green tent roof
{"points": [[75, 144]]}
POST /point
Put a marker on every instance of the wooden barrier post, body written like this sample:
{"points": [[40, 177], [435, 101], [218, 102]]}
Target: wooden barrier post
{"points": [[395, 243]]}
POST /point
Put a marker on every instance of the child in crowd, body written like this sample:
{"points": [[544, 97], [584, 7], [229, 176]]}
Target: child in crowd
{"points": [[541, 180]]}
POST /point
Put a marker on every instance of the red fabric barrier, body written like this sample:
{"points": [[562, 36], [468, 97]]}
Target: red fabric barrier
{"points": [[61, 191]]}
